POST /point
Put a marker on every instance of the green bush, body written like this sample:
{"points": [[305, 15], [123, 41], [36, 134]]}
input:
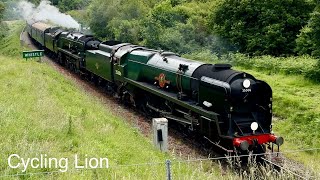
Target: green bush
{"points": [[67, 5], [125, 30], [111, 19], [308, 39], [79, 15], [261, 27], [314, 73], [173, 25]]}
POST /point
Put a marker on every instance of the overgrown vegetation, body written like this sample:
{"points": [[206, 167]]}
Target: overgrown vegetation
{"points": [[305, 66], [179, 26], [308, 40], [278, 28], [261, 27], [183, 26], [67, 5], [10, 44], [3, 27]]}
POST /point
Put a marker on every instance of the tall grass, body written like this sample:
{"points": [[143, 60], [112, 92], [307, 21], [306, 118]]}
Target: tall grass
{"points": [[305, 66], [10, 44]]}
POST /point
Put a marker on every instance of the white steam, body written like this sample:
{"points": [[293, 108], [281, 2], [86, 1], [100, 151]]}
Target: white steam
{"points": [[46, 13]]}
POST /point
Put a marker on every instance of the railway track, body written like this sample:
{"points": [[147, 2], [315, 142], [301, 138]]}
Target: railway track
{"points": [[283, 165]]}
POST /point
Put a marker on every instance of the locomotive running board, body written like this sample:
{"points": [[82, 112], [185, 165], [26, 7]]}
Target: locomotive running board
{"points": [[189, 104]]}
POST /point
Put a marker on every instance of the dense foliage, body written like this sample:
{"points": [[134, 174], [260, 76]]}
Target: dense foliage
{"points": [[249, 26], [308, 40], [175, 25], [261, 27], [67, 5], [253, 27], [1, 10], [63, 5], [3, 27]]}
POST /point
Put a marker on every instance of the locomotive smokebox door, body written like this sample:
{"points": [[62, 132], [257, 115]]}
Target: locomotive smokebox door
{"points": [[160, 133]]}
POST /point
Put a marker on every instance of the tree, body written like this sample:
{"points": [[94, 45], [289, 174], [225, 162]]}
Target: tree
{"points": [[117, 18], [261, 27], [67, 5], [173, 25], [308, 39]]}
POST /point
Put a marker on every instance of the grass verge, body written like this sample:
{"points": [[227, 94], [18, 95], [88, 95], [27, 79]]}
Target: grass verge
{"points": [[10, 44]]}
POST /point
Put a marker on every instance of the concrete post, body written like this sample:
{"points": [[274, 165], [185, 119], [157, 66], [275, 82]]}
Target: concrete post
{"points": [[160, 133]]}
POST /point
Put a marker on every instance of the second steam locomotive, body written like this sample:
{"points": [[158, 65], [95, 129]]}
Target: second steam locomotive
{"points": [[231, 108]]}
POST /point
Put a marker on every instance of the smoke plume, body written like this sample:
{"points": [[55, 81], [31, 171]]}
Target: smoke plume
{"points": [[47, 13]]}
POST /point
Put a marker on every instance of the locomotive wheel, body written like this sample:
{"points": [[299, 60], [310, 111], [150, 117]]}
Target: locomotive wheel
{"points": [[60, 58], [141, 104]]}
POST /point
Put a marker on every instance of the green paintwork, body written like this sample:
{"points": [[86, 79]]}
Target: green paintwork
{"points": [[146, 66], [154, 72], [67, 43], [172, 97], [49, 42], [98, 62], [39, 35], [137, 61]]}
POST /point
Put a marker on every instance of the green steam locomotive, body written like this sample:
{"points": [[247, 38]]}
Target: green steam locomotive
{"points": [[230, 108]]}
